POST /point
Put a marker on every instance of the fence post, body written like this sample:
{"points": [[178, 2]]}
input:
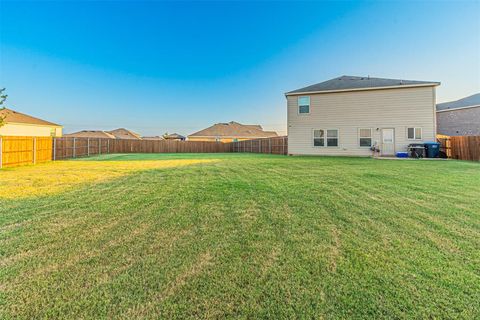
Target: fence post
{"points": [[1, 154], [283, 145], [74, 148], [34, 150], [88, 147], [270, 145], [99, 146], [108, 146], [54, 149]]}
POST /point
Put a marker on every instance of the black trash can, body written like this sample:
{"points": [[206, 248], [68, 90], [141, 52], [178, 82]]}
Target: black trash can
{"points": [[416, 150], [432, 149]]}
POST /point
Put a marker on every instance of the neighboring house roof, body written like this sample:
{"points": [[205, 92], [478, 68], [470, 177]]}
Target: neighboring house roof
{"points": [[90, 134], [173, 136], [354, 83], [153, 138], [12, 116], [122, 133], [470, 101], [234, 129]]}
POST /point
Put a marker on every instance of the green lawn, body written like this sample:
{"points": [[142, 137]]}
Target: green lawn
{"points": [[240, 236]]}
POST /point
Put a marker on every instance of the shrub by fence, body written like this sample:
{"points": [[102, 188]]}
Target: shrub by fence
{"points": [[276, 145], [24, 150]]}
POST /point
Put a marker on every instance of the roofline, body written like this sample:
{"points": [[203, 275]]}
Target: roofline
{"points": [[460, 108], [133, 133], [241, 137], [47, 123], [430, 84], [34, 124]]}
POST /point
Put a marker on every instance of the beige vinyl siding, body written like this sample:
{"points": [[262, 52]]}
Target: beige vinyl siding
{"points": [[350, 111], [31, 130]]}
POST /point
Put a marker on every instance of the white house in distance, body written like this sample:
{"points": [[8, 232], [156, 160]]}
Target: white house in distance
{"points": [[348, 115]]}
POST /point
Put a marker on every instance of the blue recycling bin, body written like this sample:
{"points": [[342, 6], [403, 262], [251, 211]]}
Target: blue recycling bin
{"points": [[432, 149]]}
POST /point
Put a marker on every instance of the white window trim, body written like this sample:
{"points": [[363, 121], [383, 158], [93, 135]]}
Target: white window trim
{"points": [[325, 138], [309, 106], [414, 129], [371, 138]]}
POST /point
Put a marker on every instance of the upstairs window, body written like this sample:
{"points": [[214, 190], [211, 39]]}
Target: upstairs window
{"points": [[414, 133], [365, 137], [303, 105]]}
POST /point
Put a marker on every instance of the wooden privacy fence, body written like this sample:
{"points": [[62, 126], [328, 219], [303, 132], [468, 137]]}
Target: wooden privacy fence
{"points": [[66, 147], [276, 145], [460, 147], [31, 150], [16, 151], [445, 146], [169, 146], [465, 147]]}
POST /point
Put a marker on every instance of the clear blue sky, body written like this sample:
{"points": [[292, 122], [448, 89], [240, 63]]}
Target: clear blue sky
{"points": [[182, 66]]}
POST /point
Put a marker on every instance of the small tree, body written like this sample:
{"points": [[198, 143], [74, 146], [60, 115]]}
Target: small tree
{"points": [[3, 97]]}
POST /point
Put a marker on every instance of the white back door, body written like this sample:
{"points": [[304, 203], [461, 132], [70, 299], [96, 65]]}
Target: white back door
{"points": [[388, 142]]}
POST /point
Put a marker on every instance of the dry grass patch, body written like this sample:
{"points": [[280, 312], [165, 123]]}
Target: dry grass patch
{"points": [[51, 178]]}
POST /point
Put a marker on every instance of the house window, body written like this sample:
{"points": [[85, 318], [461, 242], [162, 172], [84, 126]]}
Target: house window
{"points": [[303, 105], [332, 138], [318, 138], [414, 133], [325, 138], [365, 137]]}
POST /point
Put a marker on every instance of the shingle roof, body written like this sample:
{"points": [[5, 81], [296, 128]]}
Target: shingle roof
{"points": [[17, 117], [153, 138], [234, 129], [122, 133], [346, 83], [470, 101], [173, 136], [90, 134]]}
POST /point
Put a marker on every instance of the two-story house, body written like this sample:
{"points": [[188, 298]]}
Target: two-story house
{"points": [[349, 115]]}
